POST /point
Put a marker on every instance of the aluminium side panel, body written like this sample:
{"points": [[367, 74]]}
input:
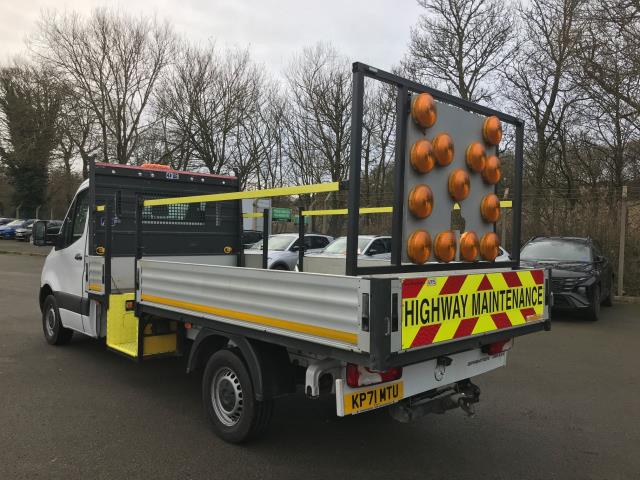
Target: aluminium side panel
{"points": [[95, 274], [325, 309]]}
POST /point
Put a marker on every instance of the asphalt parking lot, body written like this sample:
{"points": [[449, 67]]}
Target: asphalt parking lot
{"points": [[566, 406]]}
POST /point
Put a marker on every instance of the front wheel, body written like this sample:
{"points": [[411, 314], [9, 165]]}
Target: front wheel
{"points": [[54, 332], [229, 400], [594, 309]]}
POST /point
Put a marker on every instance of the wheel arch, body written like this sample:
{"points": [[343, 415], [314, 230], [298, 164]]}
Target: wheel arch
{"points": [[279, 266], [45, 291], [268, 364]]}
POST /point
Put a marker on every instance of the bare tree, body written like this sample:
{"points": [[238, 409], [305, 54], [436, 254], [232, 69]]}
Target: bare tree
{"points": [[207, 99], [609, 73], [112, 62], [461, 44], [541, 89], [610, 50], [319, 118]]}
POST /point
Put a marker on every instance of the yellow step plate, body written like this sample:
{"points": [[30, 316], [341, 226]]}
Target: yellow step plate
{"points": [[122, 325]]}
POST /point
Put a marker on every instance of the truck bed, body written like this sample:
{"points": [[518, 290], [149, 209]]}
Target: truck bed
{"points": [[351, 316]]}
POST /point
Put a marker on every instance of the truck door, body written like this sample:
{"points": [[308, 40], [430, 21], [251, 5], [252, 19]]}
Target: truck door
{"points": [[68, 262]]}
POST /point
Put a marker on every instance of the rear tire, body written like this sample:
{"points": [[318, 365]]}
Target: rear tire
{"points": [[54, 332], [594, 309], [279, 267], [229, 399], [608, 302]]}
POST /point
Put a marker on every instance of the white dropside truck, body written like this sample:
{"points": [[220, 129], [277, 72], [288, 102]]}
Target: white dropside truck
{"points": [[152, 260]]}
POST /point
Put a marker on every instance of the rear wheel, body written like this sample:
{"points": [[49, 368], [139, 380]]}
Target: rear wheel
{"points": [[594, 309], [279, 267], [229, 400], [54, 332], [608, 301]]}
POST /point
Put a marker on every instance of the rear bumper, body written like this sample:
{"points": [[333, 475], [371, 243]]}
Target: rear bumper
{"points": [[416, 379]]}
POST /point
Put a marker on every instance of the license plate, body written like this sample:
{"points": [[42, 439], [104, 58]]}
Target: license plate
{"points": [[370, 398]]}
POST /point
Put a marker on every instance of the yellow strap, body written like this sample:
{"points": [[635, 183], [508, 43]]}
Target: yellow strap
{"points": [[253, 215], [346, 337], [505, 204], [344, 211], [100, 208], [270, 192]]}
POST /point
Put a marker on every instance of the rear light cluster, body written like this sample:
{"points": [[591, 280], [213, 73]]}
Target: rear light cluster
{"points": [[498, 347], [425, 156], [359, 376]]}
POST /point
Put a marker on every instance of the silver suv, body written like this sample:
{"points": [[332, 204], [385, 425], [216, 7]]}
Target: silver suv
{"points": [[283, 249]]}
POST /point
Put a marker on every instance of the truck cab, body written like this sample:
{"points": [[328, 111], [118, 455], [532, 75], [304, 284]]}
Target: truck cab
{"points": [[65, 292]]}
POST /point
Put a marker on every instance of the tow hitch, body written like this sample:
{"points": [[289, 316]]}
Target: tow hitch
{"points": [[463, 394]]}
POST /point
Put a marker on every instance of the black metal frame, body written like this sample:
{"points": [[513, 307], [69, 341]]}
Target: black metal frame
{"points": [[404, 87], [265, 238], [301, 240]]}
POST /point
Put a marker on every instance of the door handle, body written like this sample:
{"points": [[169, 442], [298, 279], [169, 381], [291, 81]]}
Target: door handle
{"points": [[78, 256]]}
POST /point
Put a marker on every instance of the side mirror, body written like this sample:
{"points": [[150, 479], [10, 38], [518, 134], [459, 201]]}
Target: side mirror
{"points": [[296, 248], [39, 233], [373, 251]]}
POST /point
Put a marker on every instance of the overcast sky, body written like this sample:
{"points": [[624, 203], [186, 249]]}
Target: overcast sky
{"points": [[370, 31]]}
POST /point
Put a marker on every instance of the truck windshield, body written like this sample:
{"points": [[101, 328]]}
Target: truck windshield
{"points": [[556, 251], [276, 242], [339, 245]]}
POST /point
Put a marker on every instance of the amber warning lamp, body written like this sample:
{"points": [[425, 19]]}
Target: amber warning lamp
{"points": [[445, 246], [476, 156], [489, 244], [491, 173], [490, 208], [423, 110], [492, 130], [469, 246], [421, 201], [443, 149], [419, 246], [421, 156], [459, 184]]}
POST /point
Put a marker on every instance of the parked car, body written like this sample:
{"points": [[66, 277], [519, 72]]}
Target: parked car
{"points": [[8, 231], [23, 234], [368, 245], [4, 221], [581, 276], [283, 249], [503, 256], [251, 237]]}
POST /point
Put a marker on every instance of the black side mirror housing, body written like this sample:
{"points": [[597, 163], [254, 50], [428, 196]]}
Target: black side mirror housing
{"points": [[39, 233]]}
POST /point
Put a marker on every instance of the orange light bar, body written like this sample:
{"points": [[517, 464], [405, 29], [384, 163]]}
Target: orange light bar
{"points": [[459, 184], [492, 130], [491, 173], [421, 156], [469, 246], [476, 156], [419, 246], [445, 246], [443, 149], [489, 244], [421, 201], [423, 110], [490, 208]]}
